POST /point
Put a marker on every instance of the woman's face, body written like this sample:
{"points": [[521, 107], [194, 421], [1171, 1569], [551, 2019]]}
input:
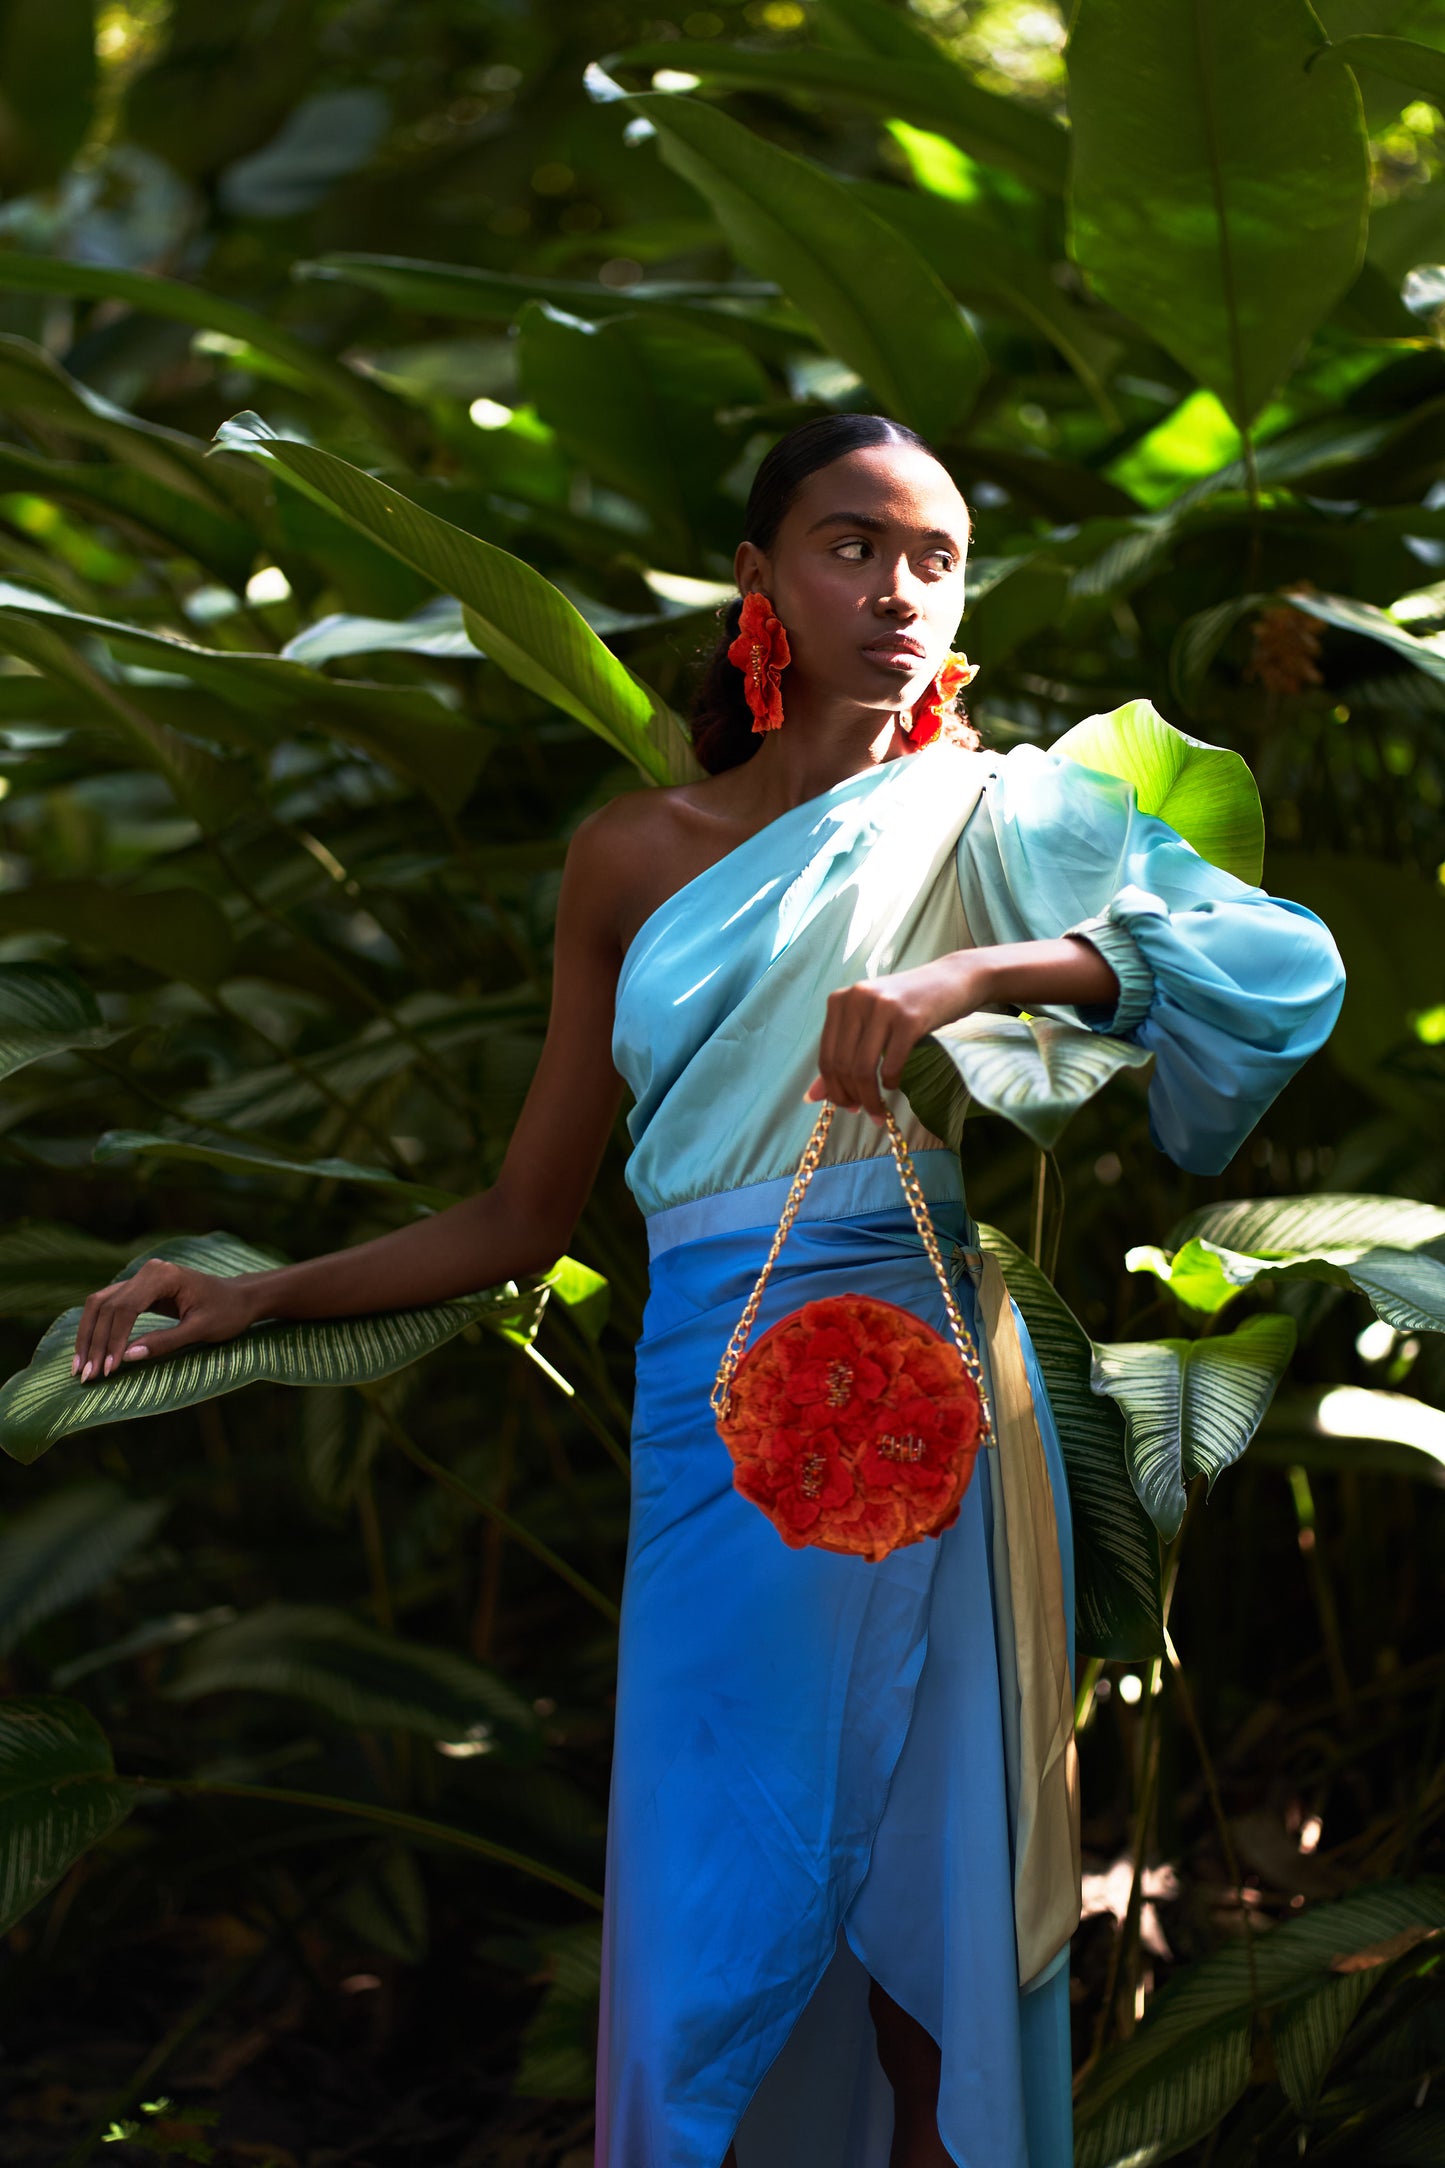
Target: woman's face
{"points": [[866, 574]]}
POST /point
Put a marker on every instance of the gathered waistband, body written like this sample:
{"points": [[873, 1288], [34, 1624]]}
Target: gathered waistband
{"points": [[840, 1190]]}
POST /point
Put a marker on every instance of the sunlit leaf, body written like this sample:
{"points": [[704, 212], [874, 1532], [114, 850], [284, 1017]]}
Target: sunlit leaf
{"points": [[1036, 1071], [796, 224], [1219, 201], [1191, 1406], [1205, 792], [59, 1795]]}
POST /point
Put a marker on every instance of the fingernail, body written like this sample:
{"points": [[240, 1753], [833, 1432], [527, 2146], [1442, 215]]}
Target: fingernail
{"points": [[105, 1373], [85, 1373], [132, 1352], [74, 1364]]}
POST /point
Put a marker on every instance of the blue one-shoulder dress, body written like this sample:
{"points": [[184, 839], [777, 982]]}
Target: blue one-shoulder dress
{"points": [[827, 1768]]}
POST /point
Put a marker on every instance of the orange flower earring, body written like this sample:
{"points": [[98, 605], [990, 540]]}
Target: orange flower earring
{"points": [[932, 709], [762, 653]]}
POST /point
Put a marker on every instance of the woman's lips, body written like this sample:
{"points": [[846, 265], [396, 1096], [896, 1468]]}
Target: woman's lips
{"points": [[900, 656]]}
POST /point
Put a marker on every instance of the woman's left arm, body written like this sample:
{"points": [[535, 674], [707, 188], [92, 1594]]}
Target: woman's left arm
{"points": [[1229, 988]]}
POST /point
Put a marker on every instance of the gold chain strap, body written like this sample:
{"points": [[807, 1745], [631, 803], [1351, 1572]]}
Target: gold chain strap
{"points": [[720, 1398]]}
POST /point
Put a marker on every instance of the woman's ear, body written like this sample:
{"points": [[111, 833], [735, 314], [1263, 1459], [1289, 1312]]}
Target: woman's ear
{"points": [[750, 568]]}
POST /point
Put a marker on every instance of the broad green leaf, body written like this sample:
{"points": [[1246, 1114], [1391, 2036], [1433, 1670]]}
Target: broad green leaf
{"points": [[1190, 1406], [498, 297], [45, 1266], [1284, 1227], [1421, 68], [796, 224], [169, 518], [407, 727], [637, 401], [47, 89], [932, 91], [1218, 185], [1035, 1071], [44, 1402], [516, 617], [64, 1548], [1406, 1287], [582, 1290], [185, 303], [45, 1010], [123, 1145], [1187, 2063], [357, 1674], [59, 1795], [559, 2058], [194, 943], [1425, 650], [1205, 792], [436, 629], [1116, 1552], [1309, 2038]]}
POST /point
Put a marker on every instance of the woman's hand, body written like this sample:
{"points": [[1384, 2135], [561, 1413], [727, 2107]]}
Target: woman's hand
{"points": [[884, 1019], [209, 1307]]}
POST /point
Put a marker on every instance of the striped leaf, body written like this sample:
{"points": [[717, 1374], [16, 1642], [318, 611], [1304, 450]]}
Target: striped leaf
{"points": [[1308, 2037], [559, 2059], [358, 1676], [1036, 1071], [1283, 1227], [64, 1548], [45, 1010], [517, 618], [120, 1146], [1374, 1245], [59, 1795], [1116, 1553], [44, 1402], [1205, 792], [1190, 1406], [1189, 2061]]}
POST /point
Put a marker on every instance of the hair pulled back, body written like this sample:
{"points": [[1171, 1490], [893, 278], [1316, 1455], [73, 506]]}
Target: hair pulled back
{"points": [[720, 720]]}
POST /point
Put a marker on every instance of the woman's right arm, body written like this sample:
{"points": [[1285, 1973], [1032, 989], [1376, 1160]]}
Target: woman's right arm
{"points": [[521, 1225]]}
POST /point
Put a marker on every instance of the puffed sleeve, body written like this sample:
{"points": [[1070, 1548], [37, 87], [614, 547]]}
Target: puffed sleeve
{"points": [[1229, 988]]}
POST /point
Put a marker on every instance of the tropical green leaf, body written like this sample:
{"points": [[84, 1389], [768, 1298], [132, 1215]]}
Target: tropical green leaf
{"points": [[559, 2060], [798, 225], [406, 726], [1205, 792], [44, 1265], [1036, 1071], [1116, 1552], [59, 1795], [1184, 2067], [473, 295], [188, 304], [195, 944], [1283, 1227], [134, 499], [1425, 650], [64, 1548], [1421, 68], [931, 91], [1309, 2036], [45, 1010], [1222, 206], [636, 400], [436, 629], [1190, 1406], [357, 1675], [516, 617], [1406, 1287], [120, 1146], [44, 1402]]}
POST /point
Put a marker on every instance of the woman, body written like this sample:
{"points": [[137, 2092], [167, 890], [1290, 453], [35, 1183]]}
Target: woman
{"points": [[843, 1847]]}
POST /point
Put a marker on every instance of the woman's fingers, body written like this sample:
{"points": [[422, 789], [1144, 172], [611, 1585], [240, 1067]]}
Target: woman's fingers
{"points": [[861, 1024], [107, 1321]]}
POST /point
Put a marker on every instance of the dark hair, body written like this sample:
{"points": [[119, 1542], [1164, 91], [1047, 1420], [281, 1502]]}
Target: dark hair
{"points": [[720, 720]]}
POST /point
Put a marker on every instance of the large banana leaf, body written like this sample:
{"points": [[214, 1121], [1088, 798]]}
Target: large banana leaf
{"points": [[930, 90], [1218, 186], [59, 1795], [796, 224], [1186, 2065], [64, 1548], [44, 1402], [1205, 792], [194, 943], [409, 728], [45, 1010], [357, 1675], [1376, 1245], [1036, 1071], [1117, 1608], [1190, 1406], [516, 617]]}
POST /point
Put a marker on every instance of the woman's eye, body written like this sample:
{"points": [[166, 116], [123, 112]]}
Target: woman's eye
{"points": [[860, 546], [943, 559]]}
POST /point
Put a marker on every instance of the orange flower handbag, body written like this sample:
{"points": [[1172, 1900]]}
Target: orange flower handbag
{"points": [[851, 1422]]}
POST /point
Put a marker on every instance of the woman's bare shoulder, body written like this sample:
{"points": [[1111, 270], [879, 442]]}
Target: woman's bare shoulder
{"points": [[629, 854]]}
